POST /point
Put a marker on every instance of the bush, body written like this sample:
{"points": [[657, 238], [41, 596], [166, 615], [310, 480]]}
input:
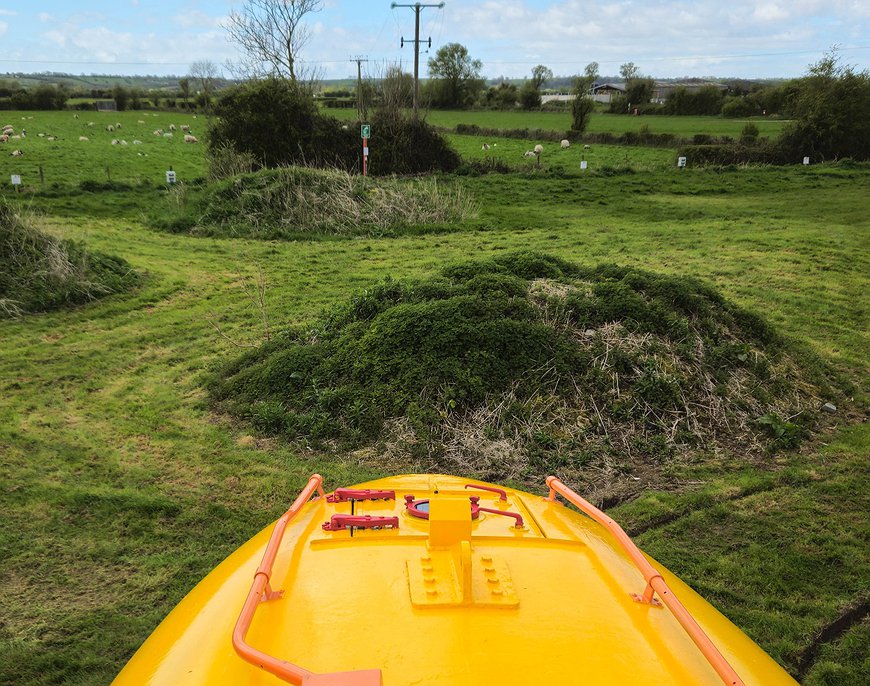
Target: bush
{"points": [[581, 112], [726, 154], [39, 272], [403, 144], [522, 360], [278, 124]]}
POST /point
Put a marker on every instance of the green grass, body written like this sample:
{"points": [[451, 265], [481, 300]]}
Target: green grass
{"points": [[69, 160], [685, 127], [121, 489]]}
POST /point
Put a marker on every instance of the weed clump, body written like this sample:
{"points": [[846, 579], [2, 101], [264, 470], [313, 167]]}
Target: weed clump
{"points": [[294, 202], [523, 364], [39, 272]]}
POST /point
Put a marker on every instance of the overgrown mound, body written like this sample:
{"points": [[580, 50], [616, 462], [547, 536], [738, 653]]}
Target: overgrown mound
{"points": [[525, 364], [295, 201], [39, 272]]}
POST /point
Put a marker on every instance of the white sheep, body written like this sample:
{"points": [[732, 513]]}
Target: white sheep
{"points": [[565, 144], [137, 142], [118, 125], [158, 132], [110, 128], [3, 138], [587, 147], [485, 146], [172, 127], [51, 138], [190, 139], [168, 134], [17, 153], [185, 128], [123, 142], [529, 153], [539, 149], [83, 138], [115, 141]]}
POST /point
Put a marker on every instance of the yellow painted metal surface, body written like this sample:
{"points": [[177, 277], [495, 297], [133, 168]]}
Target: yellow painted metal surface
{"points": [[481, 601]]}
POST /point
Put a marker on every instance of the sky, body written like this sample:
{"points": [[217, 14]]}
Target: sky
{"points": [[664, 38]]}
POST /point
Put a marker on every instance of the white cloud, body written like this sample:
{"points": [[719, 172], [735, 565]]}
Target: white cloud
{"points": [[769, 12], [194, 19], [7, 13], [56, 37], [3, 27]]}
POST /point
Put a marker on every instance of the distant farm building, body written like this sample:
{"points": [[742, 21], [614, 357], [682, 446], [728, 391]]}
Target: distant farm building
{"points": [[607, 92], [106, 105]]}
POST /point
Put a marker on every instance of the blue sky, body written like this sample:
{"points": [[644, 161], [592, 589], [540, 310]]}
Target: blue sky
{"points": [[665, 38]]}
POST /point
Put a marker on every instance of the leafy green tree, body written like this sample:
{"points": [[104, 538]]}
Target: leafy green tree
{"points": [[121, 96], [456, 74], [504, 96], [540, 76], [830, 109], [184, 85], [629, 71]]}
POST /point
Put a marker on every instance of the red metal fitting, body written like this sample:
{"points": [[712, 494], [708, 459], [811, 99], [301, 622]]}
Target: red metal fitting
{"points": [[343, 495], [501, 494], [518, 517], [340, 522]]}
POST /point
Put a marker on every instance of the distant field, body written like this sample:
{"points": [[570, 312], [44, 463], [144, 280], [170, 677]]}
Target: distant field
{"points": [[69, 160], [601, 123]]}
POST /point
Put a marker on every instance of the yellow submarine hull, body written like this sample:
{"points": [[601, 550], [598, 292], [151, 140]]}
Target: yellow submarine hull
{"points": [[442, 601]]}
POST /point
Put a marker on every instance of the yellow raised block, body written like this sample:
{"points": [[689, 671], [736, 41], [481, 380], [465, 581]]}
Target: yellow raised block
{"points": [[449, 520]]}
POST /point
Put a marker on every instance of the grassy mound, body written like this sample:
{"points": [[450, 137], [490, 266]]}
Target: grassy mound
{"points": [[293, 202], [523, 364], [39, 272]]}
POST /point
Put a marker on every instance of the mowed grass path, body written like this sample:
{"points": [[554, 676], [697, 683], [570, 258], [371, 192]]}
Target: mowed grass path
{"points": [[121, 490]]}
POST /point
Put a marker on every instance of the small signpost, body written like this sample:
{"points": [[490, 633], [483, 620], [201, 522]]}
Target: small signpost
{"points": [[170, 177], [681, 162], [16, 181], [583, 164], [365, 132], [806, 160]]}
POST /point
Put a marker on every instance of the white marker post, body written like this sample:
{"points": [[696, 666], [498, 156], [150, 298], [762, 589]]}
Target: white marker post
{"points": [[583, 164], [681, 162], [365, 131], [170, 177], [806, 160], [16, 181]]}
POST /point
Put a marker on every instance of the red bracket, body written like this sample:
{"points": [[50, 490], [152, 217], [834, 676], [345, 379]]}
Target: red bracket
{"points": [[518, 518], [340, 522], [501, 494], [343, 495]]}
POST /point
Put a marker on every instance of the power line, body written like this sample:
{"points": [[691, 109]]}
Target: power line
{"points": [[417, 7]]}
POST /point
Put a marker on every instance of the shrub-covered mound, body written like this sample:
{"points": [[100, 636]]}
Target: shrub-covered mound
{"points": [[526, 364], [39, 272], [291, 202]]}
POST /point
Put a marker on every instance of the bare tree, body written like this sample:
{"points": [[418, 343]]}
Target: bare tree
{"points": [[205, 73], [272, 33]]}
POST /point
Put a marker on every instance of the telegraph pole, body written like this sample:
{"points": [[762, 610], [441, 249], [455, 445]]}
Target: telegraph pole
{"points": [[360, 106], [417, 7]]}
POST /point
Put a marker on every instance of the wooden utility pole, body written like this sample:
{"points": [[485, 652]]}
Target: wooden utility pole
{"points": [[417, 7], [360, 102]]}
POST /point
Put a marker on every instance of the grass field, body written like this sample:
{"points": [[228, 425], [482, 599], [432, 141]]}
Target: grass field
{"points": [[685, 127], [121, 489]]}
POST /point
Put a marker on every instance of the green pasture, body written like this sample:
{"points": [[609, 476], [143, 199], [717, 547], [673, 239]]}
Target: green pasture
{"points": [[121, 489], [617, 124], [69, 160]]}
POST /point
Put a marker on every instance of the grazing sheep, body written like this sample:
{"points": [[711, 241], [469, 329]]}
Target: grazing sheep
{"points": [[137, 142], [539, 149], [485, 146], [51, 138], [17, 153], [90, 123], [115, 141], [168, 134], [565, 144], [185, 128], [83, 138], [41, 135], [123, 142], [190, 139], [75, 116], [4, 138], [158, 132], [141, 121], [172, 127], [16, 137], [587, 147], [529, 153], [118, 125], [110, 128]]}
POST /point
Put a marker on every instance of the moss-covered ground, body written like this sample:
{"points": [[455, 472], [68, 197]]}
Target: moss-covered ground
{"points": [[121, 488]]}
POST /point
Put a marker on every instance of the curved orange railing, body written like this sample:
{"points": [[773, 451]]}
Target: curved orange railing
{"points": [[654, 581], [262, 591]]}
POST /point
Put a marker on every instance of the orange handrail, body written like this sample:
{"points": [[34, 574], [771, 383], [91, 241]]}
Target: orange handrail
{"points": [[262, 591], [655, 582]]}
